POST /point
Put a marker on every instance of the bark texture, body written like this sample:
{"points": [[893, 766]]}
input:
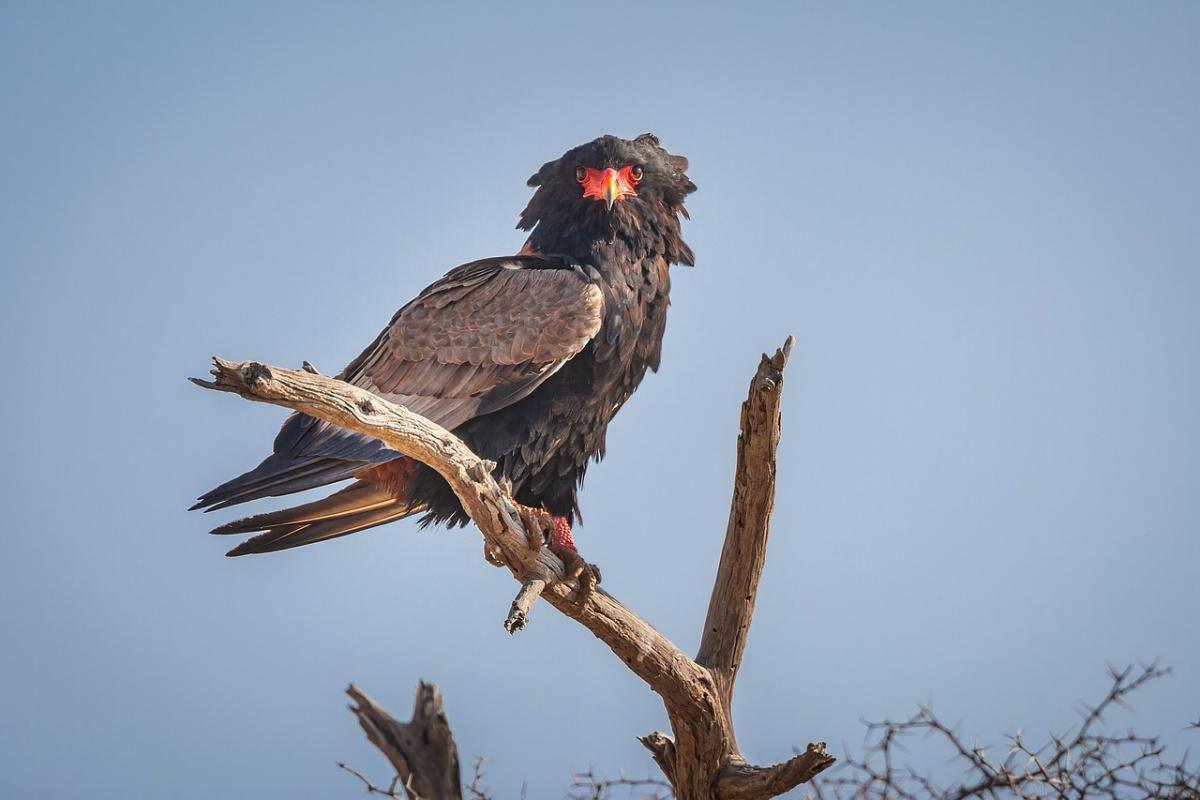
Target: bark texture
{"points": [[422, 750], [702, 761]]}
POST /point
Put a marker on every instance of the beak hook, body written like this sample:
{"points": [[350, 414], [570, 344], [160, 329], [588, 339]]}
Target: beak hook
{"points": [[611, 190]]}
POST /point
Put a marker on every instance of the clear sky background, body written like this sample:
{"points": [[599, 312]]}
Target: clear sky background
{"points": [[981, 223]]}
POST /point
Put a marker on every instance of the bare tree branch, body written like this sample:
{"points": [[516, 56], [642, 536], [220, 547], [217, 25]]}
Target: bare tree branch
{"points": [[363, 412], [745, 782], [422, 750], [372, 788], [518, 613], [1082, 764], [731, 605], [703, 761], [662, 750], [475, 789], [589, 786]]}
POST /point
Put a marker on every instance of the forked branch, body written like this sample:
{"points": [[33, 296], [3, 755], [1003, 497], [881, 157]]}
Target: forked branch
{"points": [[703, 760], [423, 750]]}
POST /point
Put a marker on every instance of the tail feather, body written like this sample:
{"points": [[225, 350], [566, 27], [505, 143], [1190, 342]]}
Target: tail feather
{"points": [[357, 497], [277, 476], [359, 506]]}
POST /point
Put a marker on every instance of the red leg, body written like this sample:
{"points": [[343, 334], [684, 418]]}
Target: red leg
{"points": [[561, 539]]}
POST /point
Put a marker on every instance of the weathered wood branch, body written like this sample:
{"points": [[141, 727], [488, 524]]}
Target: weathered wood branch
{"points": [[422, 750], [662, 750], [746, 782], [744, 553], [703, 760], [361, 411]]}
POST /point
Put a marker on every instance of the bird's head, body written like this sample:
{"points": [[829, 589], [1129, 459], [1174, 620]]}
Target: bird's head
{"points": [[610, 187]]}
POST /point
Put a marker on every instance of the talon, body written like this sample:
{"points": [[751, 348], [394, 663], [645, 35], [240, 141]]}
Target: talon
{"points": [[491, 557], [562, 544], [588, 579], [585, 574], [573, 563], [537, 523]]}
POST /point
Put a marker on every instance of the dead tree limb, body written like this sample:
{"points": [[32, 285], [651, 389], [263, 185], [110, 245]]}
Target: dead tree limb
{"points": [[703, 760], [422, 750], [744, 553]]}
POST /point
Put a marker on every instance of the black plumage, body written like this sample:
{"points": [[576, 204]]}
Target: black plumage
{"points": [[527, 358]]}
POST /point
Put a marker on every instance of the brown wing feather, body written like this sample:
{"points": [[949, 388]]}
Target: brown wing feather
{"points": [[481, 335], [481, 338]]}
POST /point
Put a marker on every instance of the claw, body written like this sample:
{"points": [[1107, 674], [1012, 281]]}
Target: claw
{"points": [[586, 575], [589, 579], [538, 526], [555, 533], [491, 556]]}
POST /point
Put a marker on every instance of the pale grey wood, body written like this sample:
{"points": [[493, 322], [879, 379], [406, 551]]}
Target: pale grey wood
{"points": [[702, 761], [422, 750]]}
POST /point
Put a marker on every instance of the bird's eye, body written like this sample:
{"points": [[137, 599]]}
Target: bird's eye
{"points": [[580, 174], [636, 173]]}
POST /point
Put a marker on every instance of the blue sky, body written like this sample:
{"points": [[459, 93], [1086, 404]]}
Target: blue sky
{"points": [[981, 223]]}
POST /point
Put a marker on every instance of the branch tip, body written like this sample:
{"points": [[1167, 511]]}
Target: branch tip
{"points": [[518, 614], [741, 781], [662, 750], [779, 360]]}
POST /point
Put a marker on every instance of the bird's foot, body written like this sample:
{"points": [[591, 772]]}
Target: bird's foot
{"points": [[562, 544], [539, 526]]}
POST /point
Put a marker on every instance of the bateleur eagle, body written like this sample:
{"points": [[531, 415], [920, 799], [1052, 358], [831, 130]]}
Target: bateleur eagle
{"points": [[526, 358]]}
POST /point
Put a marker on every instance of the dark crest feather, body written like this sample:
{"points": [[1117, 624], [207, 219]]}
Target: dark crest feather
{"points": [[563, 221]]}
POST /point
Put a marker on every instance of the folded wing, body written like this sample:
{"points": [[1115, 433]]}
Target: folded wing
{"points": [[483, 337]]}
